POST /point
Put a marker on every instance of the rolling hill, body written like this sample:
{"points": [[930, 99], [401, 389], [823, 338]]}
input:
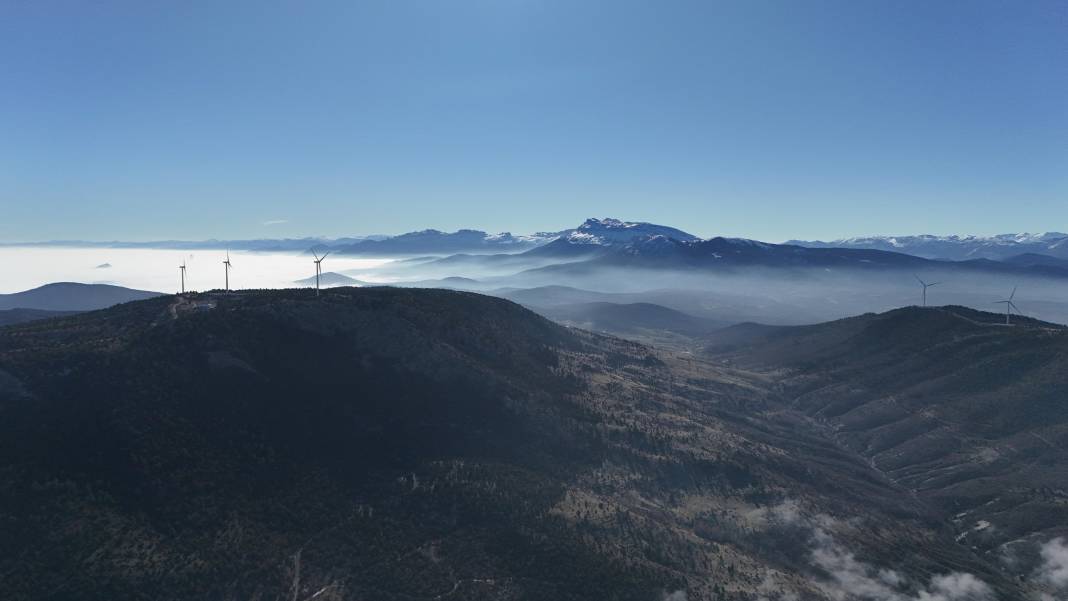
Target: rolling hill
{"points": [[70, 296], [331, 278]]}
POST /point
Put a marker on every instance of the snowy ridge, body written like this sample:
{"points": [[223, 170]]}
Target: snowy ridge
{"points": [[956, 248]]}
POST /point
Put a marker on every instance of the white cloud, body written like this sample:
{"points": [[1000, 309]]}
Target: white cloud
{"points": [[275, 222], [956, 586], [850, 579], [1054, 569], [855, 579]]}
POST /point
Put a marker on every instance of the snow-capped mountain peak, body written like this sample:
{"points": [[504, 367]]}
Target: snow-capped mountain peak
{"points": [[609, 231]]}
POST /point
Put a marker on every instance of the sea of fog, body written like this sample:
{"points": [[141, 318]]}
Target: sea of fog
{"points": [[764, 295], [23, 268]]}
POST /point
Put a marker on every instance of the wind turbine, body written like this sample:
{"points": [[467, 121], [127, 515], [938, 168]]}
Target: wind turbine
{"points": [[925, 287], [181, 269], [1009, 306], [227, 265], [318, 269]]}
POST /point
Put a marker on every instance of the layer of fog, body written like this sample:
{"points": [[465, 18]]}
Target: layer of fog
{"points": [[23, 268], [788, 296], [774, 296]]}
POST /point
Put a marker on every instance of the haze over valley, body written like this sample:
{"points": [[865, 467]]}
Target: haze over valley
{"points": [[601, 266]]}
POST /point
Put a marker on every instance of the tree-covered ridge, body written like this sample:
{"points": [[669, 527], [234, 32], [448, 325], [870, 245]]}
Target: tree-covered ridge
{"points": [[417, 444]]}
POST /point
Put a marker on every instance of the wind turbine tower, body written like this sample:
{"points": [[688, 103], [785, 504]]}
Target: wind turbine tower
{"points": [[318, 269], [227, 266], [181, 270], [925, 287], [1009, 306]]}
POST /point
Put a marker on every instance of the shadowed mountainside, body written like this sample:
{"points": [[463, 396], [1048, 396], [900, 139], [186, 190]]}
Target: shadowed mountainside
{"points": [[968, 414], [643, 322], [13, 316], [624, 318], [420, 444]]}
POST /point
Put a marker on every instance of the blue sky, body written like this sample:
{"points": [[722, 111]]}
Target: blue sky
{"points": [[772, 120]]}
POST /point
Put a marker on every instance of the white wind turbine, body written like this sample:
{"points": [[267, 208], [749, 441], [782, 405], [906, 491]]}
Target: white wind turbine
{"points": [[1009, 306], [227, 266], [925, 287], [318, 269], [181, 270]]}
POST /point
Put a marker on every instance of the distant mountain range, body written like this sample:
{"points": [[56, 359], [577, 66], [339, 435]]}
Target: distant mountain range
{"points": [[726, 280], [438, 242], [590, 236], [957, 248], [599, 243], [738, 254], [595, 235]]}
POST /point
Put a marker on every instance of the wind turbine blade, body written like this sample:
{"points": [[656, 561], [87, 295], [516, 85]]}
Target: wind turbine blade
{"points": [[918, 279], [317, 259], [1013, 293], [326, 255], [933, 284], [1014, 307]]}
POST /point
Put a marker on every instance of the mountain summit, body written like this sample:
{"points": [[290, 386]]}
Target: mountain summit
{"points": [[608, 232], [596, 236]]}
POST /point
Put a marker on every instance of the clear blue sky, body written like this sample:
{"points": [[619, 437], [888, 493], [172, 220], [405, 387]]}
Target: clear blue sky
{"points": [[767, 119]]}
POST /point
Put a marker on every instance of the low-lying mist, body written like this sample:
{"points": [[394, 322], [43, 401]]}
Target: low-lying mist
{"points": [[785, 296], [793, 296]]}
